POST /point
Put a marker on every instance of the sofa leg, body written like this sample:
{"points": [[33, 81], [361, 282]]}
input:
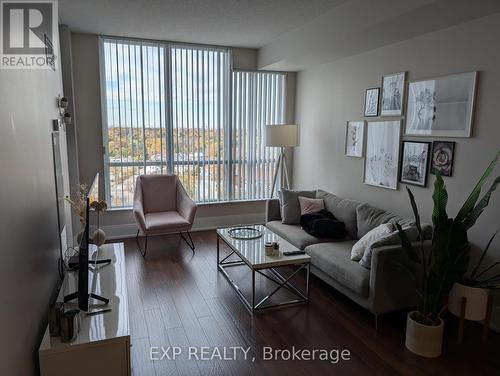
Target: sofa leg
{"points": [[137, 235], [190, 243], [376, 322]]}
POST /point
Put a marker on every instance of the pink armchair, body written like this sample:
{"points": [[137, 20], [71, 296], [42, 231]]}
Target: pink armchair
{"points": [[162, 206]]}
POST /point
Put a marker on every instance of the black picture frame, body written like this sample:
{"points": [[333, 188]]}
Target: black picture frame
{"points": [[402, 172], [450, 155], [377, 89]]}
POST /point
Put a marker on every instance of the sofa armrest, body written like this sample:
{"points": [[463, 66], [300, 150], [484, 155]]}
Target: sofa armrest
{"points": [[392, 279], [138, 208], [273, 210]]}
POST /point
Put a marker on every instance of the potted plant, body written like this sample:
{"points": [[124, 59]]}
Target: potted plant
{"points": [[442, 264], [475, 289]]}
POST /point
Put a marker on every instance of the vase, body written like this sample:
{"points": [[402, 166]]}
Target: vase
{"points": [[476, 303], [99, 237], [423, 340]]}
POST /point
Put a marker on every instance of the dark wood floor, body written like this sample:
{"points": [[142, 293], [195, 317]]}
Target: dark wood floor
{"points": [[180, 299]]}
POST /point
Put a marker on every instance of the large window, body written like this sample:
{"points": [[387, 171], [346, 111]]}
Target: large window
{"points": [[171, 108]]}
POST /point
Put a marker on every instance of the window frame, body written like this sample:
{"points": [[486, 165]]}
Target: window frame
{"points": [[168, 163]]}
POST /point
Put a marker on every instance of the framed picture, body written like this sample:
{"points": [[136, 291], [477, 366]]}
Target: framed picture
{"points": [[415, 163], [382, 153], [441, 107], [354, 138], [371, 101], [442, 157], [393, 88]]}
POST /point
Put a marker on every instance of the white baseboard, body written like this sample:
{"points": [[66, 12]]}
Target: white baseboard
{"points": [[129, 230]]}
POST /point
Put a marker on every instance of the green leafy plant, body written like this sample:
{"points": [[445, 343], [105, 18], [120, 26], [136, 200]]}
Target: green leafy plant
{"points": [[484, 278], [447, 260]]}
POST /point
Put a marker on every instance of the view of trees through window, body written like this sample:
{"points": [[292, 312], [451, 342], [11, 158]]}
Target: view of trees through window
{"points": [[167, 110]]}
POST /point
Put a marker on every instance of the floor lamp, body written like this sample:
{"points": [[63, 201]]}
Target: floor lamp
{"points": [[281, 136]]}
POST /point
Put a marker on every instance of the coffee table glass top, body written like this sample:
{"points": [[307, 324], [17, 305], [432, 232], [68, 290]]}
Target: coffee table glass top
{"points": [[252, 251]]}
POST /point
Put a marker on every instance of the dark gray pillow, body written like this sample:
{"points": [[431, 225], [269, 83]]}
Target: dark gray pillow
{"points": [[290, 206], [343, 209], [369, 217]]}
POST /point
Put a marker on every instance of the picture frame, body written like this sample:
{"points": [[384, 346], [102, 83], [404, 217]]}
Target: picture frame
{"points": [[443, 153], [355, 139], [415, 163], [372, 96], [393, 94], [382, 151], [441, 106]]}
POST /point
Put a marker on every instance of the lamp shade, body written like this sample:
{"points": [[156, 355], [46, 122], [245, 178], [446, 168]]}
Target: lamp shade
{"points": [[282, 135]]}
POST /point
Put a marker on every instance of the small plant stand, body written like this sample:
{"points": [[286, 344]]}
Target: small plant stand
{"points": [[486, 321]]}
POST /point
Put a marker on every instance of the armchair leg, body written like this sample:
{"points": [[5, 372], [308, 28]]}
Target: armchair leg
{"points": [[190, 243], [139, 244]]}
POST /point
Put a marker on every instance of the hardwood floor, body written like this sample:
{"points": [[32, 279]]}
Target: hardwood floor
{"points": [[180, 299]]}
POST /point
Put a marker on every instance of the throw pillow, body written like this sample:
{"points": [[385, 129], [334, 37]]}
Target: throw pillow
{"points": [[360, 247], [290, 207], [310, 205], [369, 217], [343, 209]]}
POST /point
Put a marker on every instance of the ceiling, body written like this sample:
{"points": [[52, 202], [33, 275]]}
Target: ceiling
{"points": [[237, 23]]}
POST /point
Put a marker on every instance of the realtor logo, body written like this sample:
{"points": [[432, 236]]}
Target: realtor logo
{"points": [[28, 34]]}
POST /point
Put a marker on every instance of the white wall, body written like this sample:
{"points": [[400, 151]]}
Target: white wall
{"points": [[28, 219], [331, 94], [120, 223]]}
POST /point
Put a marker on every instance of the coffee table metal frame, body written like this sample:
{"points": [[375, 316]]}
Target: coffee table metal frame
{"points": [[279, 279]]}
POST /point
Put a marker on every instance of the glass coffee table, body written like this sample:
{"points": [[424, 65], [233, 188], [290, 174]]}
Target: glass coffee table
{"points": [[251, 253]]}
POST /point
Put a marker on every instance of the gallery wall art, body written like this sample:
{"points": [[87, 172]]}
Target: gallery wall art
{"points": [[383, 139], [371, 101], [354, 142], [442, 106], [415, 162], [393, 89], [442, 157]]}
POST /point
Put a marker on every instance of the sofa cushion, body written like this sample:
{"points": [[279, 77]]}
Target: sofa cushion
{"points": [[294, 234], [334, 259], [290, 207], [343, 209], [170, 221], [379, 232], [368, 217]]}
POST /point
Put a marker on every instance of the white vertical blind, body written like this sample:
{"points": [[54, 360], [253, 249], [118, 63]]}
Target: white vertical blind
{"points": [[200, 119], [258, 99], [172, 108], [134, 115]]}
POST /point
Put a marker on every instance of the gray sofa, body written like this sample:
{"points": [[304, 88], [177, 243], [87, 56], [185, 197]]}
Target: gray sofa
{"points": [[383, 288]]}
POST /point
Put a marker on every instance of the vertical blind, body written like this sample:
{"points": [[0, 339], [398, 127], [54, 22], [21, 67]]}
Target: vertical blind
{"points": [[171, 108], [258, 99]]}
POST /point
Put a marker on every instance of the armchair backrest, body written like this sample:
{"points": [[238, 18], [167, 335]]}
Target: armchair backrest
{"points": [[159, 192]]}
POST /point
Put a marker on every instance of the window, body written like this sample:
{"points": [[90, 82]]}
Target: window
{"points": [[170, 108]]}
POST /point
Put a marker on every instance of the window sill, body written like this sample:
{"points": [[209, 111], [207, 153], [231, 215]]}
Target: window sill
{"points": [[129, 208]]}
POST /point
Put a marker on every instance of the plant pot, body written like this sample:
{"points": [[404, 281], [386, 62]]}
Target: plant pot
{"points": [[423, 340], [477, 301]]}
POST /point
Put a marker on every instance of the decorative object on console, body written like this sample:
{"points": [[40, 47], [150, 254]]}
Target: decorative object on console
{"points": [[442, 157], [415, 162], [445, 264], [442, 106], [354, 138], [393, 89], [78, 203], [99, 235], [371, 101], [285, 135], [382, 154]]}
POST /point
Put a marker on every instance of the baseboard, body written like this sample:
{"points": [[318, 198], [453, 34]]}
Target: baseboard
{"points": [[129, 230]]}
